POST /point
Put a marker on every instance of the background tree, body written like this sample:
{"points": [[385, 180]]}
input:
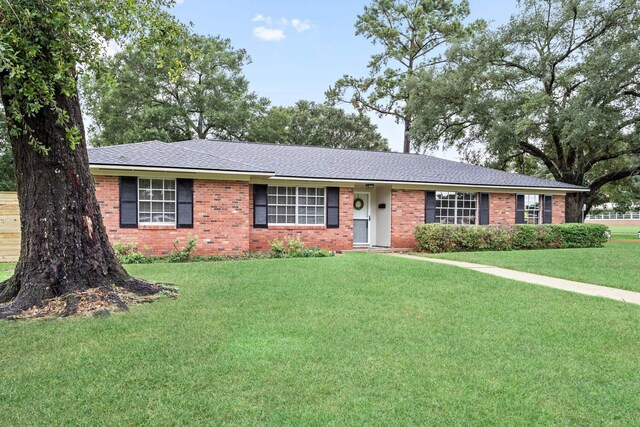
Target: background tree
{"points": [[413, 34], [134, 100], [560, 84], [7, 176], [309, 123], [43, 43]]}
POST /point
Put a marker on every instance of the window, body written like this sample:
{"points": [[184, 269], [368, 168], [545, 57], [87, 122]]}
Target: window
{"points": [[296, 205], [156, 201], [456, 208], [531, 209]]}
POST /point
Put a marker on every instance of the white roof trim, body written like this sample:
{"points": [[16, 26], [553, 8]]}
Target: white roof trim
{"points": [[435, 184], [271, 175]]}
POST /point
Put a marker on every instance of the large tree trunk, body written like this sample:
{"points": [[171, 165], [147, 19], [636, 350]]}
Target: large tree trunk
{"points": [[573, 207], [64, 246]]}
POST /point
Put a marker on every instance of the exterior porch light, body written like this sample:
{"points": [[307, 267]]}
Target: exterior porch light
{"points": [[371, 186]]}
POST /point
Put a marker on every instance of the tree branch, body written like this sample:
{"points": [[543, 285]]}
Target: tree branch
{"points": [[613, 176]]}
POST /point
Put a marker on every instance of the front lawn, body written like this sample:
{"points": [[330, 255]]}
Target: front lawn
{"points": [[615, 264], [357, 339]]}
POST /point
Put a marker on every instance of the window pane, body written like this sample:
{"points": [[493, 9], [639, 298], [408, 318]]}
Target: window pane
{"points": [[156, 205], [144, 194]]}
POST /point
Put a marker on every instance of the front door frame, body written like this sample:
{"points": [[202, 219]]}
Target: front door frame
{"points": [[368, 193]]}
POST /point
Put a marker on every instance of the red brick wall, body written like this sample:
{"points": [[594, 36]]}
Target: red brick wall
{"points": [[406, 213], [557, 211], [502, 208], [220, 216], [335, 239]]}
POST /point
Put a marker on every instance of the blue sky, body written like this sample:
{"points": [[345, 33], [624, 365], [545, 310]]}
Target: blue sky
{"points": [[300, 48]]}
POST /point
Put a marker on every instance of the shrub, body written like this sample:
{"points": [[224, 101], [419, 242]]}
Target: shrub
{"points": [[129, 254], [295, 248], [436, 238], [184, 254]]}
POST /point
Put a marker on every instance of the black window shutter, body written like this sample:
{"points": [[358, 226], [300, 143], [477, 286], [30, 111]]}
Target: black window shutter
{"points": [[184, 208], [548, 208], [484, 209], [333, 207], [260, 205], [128, 202], [429, 206], [519, 208]]}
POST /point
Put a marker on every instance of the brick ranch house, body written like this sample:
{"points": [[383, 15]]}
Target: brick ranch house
{"points": [[237, 197]]}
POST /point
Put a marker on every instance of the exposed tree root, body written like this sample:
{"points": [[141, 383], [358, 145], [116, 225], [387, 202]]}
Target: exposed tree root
{"points": [[8, 290], [94, 301]]}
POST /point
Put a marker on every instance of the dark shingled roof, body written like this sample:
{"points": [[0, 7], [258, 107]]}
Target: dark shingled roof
{"points": [[296, 161]]}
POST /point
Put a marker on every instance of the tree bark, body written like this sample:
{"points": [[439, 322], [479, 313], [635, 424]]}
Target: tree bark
{"points": [[64, 245], [573, 207], [407, 135]]}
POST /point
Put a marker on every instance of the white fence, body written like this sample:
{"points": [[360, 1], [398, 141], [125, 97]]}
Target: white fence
{"points": [[614, 215]]}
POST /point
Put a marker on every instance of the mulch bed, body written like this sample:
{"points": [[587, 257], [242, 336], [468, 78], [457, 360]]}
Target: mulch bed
{"points": [[92, 302]]}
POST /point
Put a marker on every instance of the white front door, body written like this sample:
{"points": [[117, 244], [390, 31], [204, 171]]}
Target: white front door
{"points": [[361, 218]]}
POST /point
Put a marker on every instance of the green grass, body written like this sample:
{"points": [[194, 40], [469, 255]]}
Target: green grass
{"points": [[624, 231], [358, 339], [6, 269], [614, 265]]}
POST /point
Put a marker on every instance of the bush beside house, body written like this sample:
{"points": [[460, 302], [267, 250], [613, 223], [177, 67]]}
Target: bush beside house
{"points": [[437, 238]]}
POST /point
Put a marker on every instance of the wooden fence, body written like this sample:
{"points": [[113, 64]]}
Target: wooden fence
{"points": [[9, 226]]}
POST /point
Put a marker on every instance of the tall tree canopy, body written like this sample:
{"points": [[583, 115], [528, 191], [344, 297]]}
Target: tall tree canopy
{"points": [[560, 84], [413, 34], [134, 100], [43, 45], [309, 123]]}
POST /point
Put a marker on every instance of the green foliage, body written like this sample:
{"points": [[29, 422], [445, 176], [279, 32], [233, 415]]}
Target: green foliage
{"points": [[185, 254], [295, 248], [411, 34], [44, 44], [131, 99], [554, 92], [437, 238], [129, 254], [309, 123]]}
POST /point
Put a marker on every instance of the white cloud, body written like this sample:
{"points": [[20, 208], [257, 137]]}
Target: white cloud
{"points": [[269, 34], [276, 32], [299, 25], [261, 18]]}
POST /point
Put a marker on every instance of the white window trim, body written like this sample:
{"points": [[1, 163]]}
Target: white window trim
{"points": [[477, 216], [175, 186], [540, 208], [297, 224]]}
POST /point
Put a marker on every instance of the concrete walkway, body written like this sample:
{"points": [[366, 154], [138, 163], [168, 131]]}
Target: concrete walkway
{"points": [[537, 279]]}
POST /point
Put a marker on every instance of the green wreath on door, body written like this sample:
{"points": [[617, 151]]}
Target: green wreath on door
{"points": [[358, 204]]}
